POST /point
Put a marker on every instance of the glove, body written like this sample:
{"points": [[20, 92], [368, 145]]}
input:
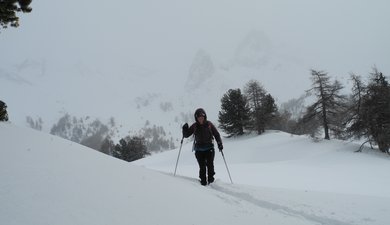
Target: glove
{"points": [[220, 147], [185, 128]]}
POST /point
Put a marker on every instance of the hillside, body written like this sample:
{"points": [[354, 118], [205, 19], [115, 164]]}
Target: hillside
{"points": [[281, 160], [48, 180]]}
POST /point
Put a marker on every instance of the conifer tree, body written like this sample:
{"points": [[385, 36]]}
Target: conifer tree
{"points": [[234, 114], [107, 146], [255, 93], [8, 10], [268, 111], [375, 110], [3, 111], [80, 130], [131, 149], [354, 121], [329, 103]]}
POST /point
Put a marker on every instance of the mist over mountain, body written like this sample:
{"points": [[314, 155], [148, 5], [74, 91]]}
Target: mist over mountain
{"points": [[254, 50], [164, 60], [200, 70]]}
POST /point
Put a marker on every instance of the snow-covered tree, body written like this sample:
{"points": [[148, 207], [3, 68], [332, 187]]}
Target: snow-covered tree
{"points": [[35, 124], [81, 130]]}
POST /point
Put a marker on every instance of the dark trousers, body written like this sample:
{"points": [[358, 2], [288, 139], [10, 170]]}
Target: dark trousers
{"points": [[206, 164]]}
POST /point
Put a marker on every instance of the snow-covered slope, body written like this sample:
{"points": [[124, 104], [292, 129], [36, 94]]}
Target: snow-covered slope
{"points": [[278, 159], [309, 178], [48, 180]]}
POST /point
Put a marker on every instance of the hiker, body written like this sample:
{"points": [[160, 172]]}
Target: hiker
{"points": [[204, 131]]}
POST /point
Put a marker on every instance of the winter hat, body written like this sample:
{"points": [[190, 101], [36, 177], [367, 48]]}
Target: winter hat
{"points": [[200, 112]]}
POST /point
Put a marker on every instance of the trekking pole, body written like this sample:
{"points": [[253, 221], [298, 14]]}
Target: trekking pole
{"points": [[223, 156], [178, 156]]}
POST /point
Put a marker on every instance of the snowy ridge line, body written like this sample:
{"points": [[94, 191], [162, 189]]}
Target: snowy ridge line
{"points": [[275, 207]]}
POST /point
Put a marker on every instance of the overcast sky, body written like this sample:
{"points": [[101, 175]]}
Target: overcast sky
{"points": [[337, 36]]}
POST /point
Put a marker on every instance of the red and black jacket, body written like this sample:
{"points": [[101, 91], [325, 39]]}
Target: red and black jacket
{"points": [[204, 135]]}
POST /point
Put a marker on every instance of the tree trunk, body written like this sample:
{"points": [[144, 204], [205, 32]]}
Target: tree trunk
{"points": [[326, 129], [325, 122]]}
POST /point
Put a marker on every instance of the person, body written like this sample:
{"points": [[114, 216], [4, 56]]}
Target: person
{"points": [[204, 132]]}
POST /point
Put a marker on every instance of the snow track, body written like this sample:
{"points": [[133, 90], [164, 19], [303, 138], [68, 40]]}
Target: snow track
{"points": [[301, 181], [231, 191], [239, 194]]}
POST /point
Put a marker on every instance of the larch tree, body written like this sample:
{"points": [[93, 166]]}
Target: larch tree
{"points": [[329, 103]]}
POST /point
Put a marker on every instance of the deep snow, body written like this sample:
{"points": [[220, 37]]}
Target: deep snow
{"points": [[278, 179]]}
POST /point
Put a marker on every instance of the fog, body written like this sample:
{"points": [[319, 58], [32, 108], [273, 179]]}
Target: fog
{"points": [[102, 43], [164, 35]]}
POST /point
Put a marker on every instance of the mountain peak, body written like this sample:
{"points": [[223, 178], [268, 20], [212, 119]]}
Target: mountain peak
{"points": [[254, 50], [201, 69]]}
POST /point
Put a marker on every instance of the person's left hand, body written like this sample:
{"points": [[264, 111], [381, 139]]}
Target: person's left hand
{"points": [[220, 147]]}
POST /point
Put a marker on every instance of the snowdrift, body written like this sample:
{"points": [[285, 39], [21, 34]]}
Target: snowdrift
{"points": [[49, 180]]}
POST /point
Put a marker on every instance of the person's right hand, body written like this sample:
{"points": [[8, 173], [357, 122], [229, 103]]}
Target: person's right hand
{"points": [[185, 128]]}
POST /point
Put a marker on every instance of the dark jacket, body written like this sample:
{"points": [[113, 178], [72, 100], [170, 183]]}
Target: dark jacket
{"points": [[204, 134]]}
